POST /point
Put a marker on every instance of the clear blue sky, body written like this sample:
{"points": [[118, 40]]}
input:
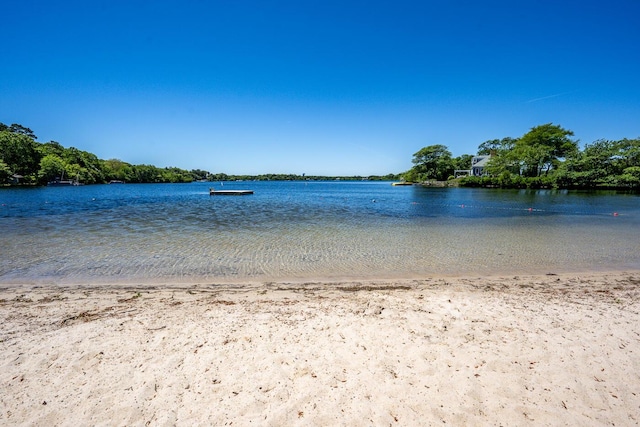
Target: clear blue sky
{"points": [[317, 87]]}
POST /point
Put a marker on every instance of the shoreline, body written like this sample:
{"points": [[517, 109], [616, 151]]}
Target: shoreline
{"points": [[325, 281], [506, 349]]}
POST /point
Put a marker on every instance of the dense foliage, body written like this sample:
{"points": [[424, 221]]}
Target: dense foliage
{"points": [[435, 162], [545, 157], [25, 161]]}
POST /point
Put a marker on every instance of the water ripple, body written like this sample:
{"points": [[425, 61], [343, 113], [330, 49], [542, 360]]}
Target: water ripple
{"points": [[306, 231]]}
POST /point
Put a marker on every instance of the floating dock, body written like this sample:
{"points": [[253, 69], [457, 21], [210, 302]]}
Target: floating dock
{"points": [[213, 192]]}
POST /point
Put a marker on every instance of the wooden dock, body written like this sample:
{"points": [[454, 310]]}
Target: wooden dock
{"points": [[213, 192]]}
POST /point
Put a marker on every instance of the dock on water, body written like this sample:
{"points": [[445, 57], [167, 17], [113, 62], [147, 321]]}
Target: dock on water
{"points": [[214, 192]]}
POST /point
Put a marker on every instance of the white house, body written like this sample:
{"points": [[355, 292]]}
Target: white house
{"points": [[478, 164]]}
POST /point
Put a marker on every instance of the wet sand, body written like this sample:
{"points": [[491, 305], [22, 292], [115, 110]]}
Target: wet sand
{"points": [[527, 350]]}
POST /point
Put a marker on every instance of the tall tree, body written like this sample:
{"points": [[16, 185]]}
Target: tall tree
{"points": [[51, 167], [629, 152], [496, 146], [51, 147], [541, 148], [85, 166], [20, 153], [433, 162], [21, 130]]}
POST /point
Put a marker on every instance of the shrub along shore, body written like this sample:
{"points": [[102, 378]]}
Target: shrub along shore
{"points": [[544, 157]]}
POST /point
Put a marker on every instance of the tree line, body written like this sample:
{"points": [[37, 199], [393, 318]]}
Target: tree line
{"points": [[544, 157], [25, 161]]}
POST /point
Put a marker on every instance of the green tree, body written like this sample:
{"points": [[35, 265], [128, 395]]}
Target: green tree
{"points": [[602, 163], [412, 175], [5, 172], [629, 151], [462, 162], [496, 146], [501, 162], [630, 177], [21, 130], [114, 169], [51, 147], [51, 167], [18, 129], [219, 177], [173, 174], [542, 148], [87, 167], [432, 162], [20, 153], [146, 173], [594, 165], [198, 174]]}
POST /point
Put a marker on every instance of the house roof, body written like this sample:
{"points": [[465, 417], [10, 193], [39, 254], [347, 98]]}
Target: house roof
{"points": [[480, 161]]}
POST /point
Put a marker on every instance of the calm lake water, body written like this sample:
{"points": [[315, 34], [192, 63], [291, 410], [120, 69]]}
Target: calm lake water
{"points": [[306, 231]]}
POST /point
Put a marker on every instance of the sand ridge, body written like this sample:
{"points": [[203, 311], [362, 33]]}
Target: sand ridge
{"points": [[527, 350]]}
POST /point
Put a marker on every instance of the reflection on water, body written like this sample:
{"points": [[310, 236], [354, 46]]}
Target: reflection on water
{"points": [[307, 231]]}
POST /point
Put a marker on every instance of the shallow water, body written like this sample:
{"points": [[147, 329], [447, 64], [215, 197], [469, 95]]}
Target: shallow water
{"points": [[307, 231]]}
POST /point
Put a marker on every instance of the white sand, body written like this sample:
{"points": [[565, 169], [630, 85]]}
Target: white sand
{"points": [[545, 350]]}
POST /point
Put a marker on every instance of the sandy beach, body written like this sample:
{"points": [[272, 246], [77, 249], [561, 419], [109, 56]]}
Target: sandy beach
{"points": [[526, 350]]}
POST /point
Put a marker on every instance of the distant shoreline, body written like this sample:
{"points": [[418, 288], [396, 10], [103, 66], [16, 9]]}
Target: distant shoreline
{"points": [[454, 183]]}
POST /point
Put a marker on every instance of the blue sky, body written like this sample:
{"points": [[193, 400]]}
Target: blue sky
{"points": [[317, 87]]}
